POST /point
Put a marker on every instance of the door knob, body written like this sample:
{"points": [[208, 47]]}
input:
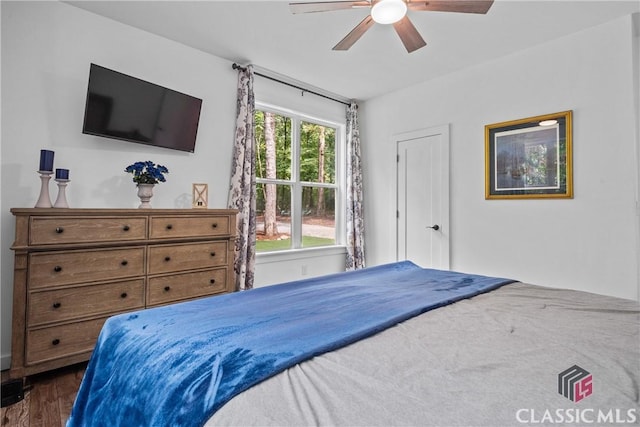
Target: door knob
{"points": [[435, 227]]}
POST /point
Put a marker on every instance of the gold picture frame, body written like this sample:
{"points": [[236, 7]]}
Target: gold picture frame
{"points": [[529, 158], [200, 196]]}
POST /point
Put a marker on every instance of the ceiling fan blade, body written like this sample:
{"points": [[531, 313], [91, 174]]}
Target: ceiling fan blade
{"points": [[325, 6], [463, 6], [410, 37], [355, 34]]}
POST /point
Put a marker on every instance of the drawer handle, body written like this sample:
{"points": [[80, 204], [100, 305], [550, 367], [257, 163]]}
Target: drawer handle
{"points": [[167, 288], [59, 230], [167, 258], [212, 281], [213, 254], [55, 341], [126, 228], [124, 262], [57, 305], [214, 225], [57, 269], [123, 295], [169, 226]]}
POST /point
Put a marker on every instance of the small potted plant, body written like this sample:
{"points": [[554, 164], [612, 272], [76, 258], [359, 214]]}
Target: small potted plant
{"points": [[146, 175]]}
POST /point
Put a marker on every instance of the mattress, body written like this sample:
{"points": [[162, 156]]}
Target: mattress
{"points": [[518, 355], [178, 364]]}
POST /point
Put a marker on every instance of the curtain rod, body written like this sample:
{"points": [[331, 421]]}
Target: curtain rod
{"points": [[239, 67]]}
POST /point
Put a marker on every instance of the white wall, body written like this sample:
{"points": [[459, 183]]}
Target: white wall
{"points": [[636, 93], [588, 242], [5, 303], [46, 51]]}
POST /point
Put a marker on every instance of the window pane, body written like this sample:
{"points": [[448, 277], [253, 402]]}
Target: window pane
{"points": [[317, 153], [318, 216], [273, 222], [273, 145]]}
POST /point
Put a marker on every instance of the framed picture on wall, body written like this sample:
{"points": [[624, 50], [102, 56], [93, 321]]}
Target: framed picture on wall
{"points": [[529, 158]]}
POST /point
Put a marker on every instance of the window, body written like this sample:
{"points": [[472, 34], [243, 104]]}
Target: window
{"points": [[297, 179]]}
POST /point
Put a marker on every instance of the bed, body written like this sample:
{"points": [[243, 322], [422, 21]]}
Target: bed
{"points": [[388, 345]]}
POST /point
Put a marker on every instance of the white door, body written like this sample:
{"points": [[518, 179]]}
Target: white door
{"points": [[423, 197]]}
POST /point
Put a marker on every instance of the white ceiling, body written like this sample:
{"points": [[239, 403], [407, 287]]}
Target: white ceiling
{"points": [[267, 34]]}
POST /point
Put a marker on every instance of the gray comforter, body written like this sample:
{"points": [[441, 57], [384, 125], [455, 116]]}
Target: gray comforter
{"points": [[493, 360]]}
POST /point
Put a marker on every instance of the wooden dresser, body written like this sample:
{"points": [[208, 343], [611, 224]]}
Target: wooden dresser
{"points": [[76, 267]]}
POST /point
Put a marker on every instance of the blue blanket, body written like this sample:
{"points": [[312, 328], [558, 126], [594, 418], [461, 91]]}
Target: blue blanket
{"points": [[176, 365]]}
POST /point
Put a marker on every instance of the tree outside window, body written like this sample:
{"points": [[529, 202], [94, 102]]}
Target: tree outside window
{"points": [[296, 181]]}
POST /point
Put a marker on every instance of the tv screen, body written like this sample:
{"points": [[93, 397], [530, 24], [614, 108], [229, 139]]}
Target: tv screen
{"points": [[126, 108]]}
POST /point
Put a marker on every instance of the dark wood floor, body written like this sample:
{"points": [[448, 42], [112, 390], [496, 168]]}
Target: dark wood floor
{"points": [[48, 401]]}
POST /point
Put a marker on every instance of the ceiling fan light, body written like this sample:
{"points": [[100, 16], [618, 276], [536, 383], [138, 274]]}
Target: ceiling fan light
{"points": [[388, 11]]}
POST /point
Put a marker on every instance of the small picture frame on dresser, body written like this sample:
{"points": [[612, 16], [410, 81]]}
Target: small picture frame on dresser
{"points": [[200, 196]]}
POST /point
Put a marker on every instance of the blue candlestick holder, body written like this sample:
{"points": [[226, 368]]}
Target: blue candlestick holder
{"points": [[61, 200], [44, 201]]}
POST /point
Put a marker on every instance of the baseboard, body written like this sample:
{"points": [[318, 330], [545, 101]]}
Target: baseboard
{"points": [[5, 361]]}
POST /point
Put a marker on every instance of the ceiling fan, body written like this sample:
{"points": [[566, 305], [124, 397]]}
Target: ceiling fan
{"points": [[391, 12]]}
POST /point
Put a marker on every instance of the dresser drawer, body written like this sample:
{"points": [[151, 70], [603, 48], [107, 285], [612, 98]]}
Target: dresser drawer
{"points": [[73, 268], [170, 258], [52, 230], [176, 287], [196, 226], [60, 341], [48, 269], [72, 303]]}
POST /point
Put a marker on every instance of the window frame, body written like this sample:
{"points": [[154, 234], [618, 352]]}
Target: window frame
{"points": [[339, 185]]}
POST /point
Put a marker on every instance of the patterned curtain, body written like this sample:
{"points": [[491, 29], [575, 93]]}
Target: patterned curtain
{"points": [[355, 219], [242, 191]]}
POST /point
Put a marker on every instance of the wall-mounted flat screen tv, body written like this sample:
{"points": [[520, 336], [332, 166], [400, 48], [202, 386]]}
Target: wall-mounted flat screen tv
{"points": [[126, 108]]}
